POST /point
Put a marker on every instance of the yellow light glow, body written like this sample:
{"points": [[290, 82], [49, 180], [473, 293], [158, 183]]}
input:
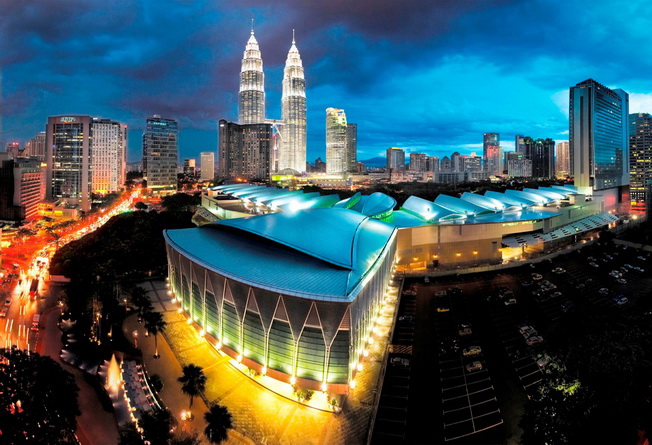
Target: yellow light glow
{"points": [[293, 380], [352, 384], [458, 254], [365, 353], [264, 370], [239, 358], [189, 320], [324, 387], [359, 367], [202, 333], [475, 252]]}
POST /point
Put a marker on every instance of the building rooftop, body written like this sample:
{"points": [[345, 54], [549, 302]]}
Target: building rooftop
{"points": [[318, 253]]}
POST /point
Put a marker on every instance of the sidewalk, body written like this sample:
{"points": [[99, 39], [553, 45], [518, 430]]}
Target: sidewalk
{"points": [[169, 369], [95, 426], [259, 415]]}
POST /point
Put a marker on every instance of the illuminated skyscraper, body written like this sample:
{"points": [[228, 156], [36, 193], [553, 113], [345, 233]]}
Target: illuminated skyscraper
{"points": [[542, 154], [418, 162], [251, 98], [492, 154], [562, 160], [640, 158], [160, 154], [599, 139], [293, 109], [84, 154], [207, 165], [336, 129]]}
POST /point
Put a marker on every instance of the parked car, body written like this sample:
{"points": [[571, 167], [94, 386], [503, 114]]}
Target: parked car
{"points": [[558, 270], [526, 283], [620, 300], [509, 301], [543, 361], [615, 274], [400, 361], [534, 340], [440, 293], [604, 291], [471, 350], [406, 318], [527, 331], [556, 294], [443, 309], [537, 276], [592, 264], [464, 329], [621, 281], [474, 366]]}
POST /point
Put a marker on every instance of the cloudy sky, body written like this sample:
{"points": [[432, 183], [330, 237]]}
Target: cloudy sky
{"points": [[427, 75]]}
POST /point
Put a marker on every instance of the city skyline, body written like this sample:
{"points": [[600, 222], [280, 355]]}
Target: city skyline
{"points": [[189, 71]]}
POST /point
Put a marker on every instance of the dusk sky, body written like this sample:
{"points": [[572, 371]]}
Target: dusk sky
{"points": [[429, 76]]}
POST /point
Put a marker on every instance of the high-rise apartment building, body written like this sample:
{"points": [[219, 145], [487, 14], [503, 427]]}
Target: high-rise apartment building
{"points": [[519, 143], [472, 163], [35, 147], [251, 97], [244, 151], [351, 146], [336, 135], [492, 153], [445, 165], [207, 165], [189, 166], [14, 149], [640, 159], [457, 162], [518, 165], [108, 155], [84, 155], [22, 187], [432, 164], [599, 141], [293, 109], [418, 162], [160, 154], [542, 154], [562, 160], [395, 159]]}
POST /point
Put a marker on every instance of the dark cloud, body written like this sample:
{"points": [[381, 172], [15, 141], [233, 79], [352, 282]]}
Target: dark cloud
{"points": [[428, 74]]}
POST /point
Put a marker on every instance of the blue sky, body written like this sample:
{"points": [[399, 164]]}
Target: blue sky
{"points": [[427, 75]]}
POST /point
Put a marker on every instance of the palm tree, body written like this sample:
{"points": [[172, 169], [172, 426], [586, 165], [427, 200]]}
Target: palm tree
{"points": [[218, 423], [154, 324], [194, 382], [140, 299]]}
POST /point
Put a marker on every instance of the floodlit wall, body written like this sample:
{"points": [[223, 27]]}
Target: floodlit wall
{"points": [[282, 335]]}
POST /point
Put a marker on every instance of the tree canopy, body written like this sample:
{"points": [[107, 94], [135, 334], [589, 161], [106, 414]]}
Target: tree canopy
{"points": [[38, 400]]}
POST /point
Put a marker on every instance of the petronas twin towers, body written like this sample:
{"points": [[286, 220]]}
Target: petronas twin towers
{"points": [[251, 103]]}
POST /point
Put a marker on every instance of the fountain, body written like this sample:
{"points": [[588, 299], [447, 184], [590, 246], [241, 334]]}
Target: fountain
{"points": [[113, 374]]}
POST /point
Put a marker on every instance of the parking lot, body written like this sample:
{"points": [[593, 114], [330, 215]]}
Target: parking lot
{"points": [[504, 313]]}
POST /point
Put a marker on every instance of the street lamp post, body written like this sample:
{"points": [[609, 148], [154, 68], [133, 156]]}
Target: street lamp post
{"points": [[135, 334]]}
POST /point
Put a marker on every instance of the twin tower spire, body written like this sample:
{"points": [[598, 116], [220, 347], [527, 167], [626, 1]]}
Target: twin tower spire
{"points": [[251, 102]]}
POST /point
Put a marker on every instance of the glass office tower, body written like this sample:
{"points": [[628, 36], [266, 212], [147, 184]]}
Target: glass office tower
{"points": [[598, 136]]}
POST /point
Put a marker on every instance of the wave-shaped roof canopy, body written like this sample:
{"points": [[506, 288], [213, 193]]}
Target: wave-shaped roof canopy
{"points": [[317, 251]]}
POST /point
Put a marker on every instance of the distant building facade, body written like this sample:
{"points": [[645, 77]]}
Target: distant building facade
{"points": [[108, 155], [351, 147], [161, 154], [190, 167], [640, 158], [336, 132], [244, 150], [418, 162], [22, 187], [492, 154], [35, 147], [518, 165], [542, 154], [562, 160], [395, 159], [207, 165]]}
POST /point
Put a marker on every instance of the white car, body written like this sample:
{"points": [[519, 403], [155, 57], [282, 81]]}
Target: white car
{"points": [[527, 331], [543, 362]]}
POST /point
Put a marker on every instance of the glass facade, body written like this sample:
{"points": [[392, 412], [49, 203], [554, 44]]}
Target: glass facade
{"points": [[160, 153], [599, 136], [293, 110]]}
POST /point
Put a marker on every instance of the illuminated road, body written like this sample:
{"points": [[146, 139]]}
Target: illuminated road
{"points": [[32, 287]]}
